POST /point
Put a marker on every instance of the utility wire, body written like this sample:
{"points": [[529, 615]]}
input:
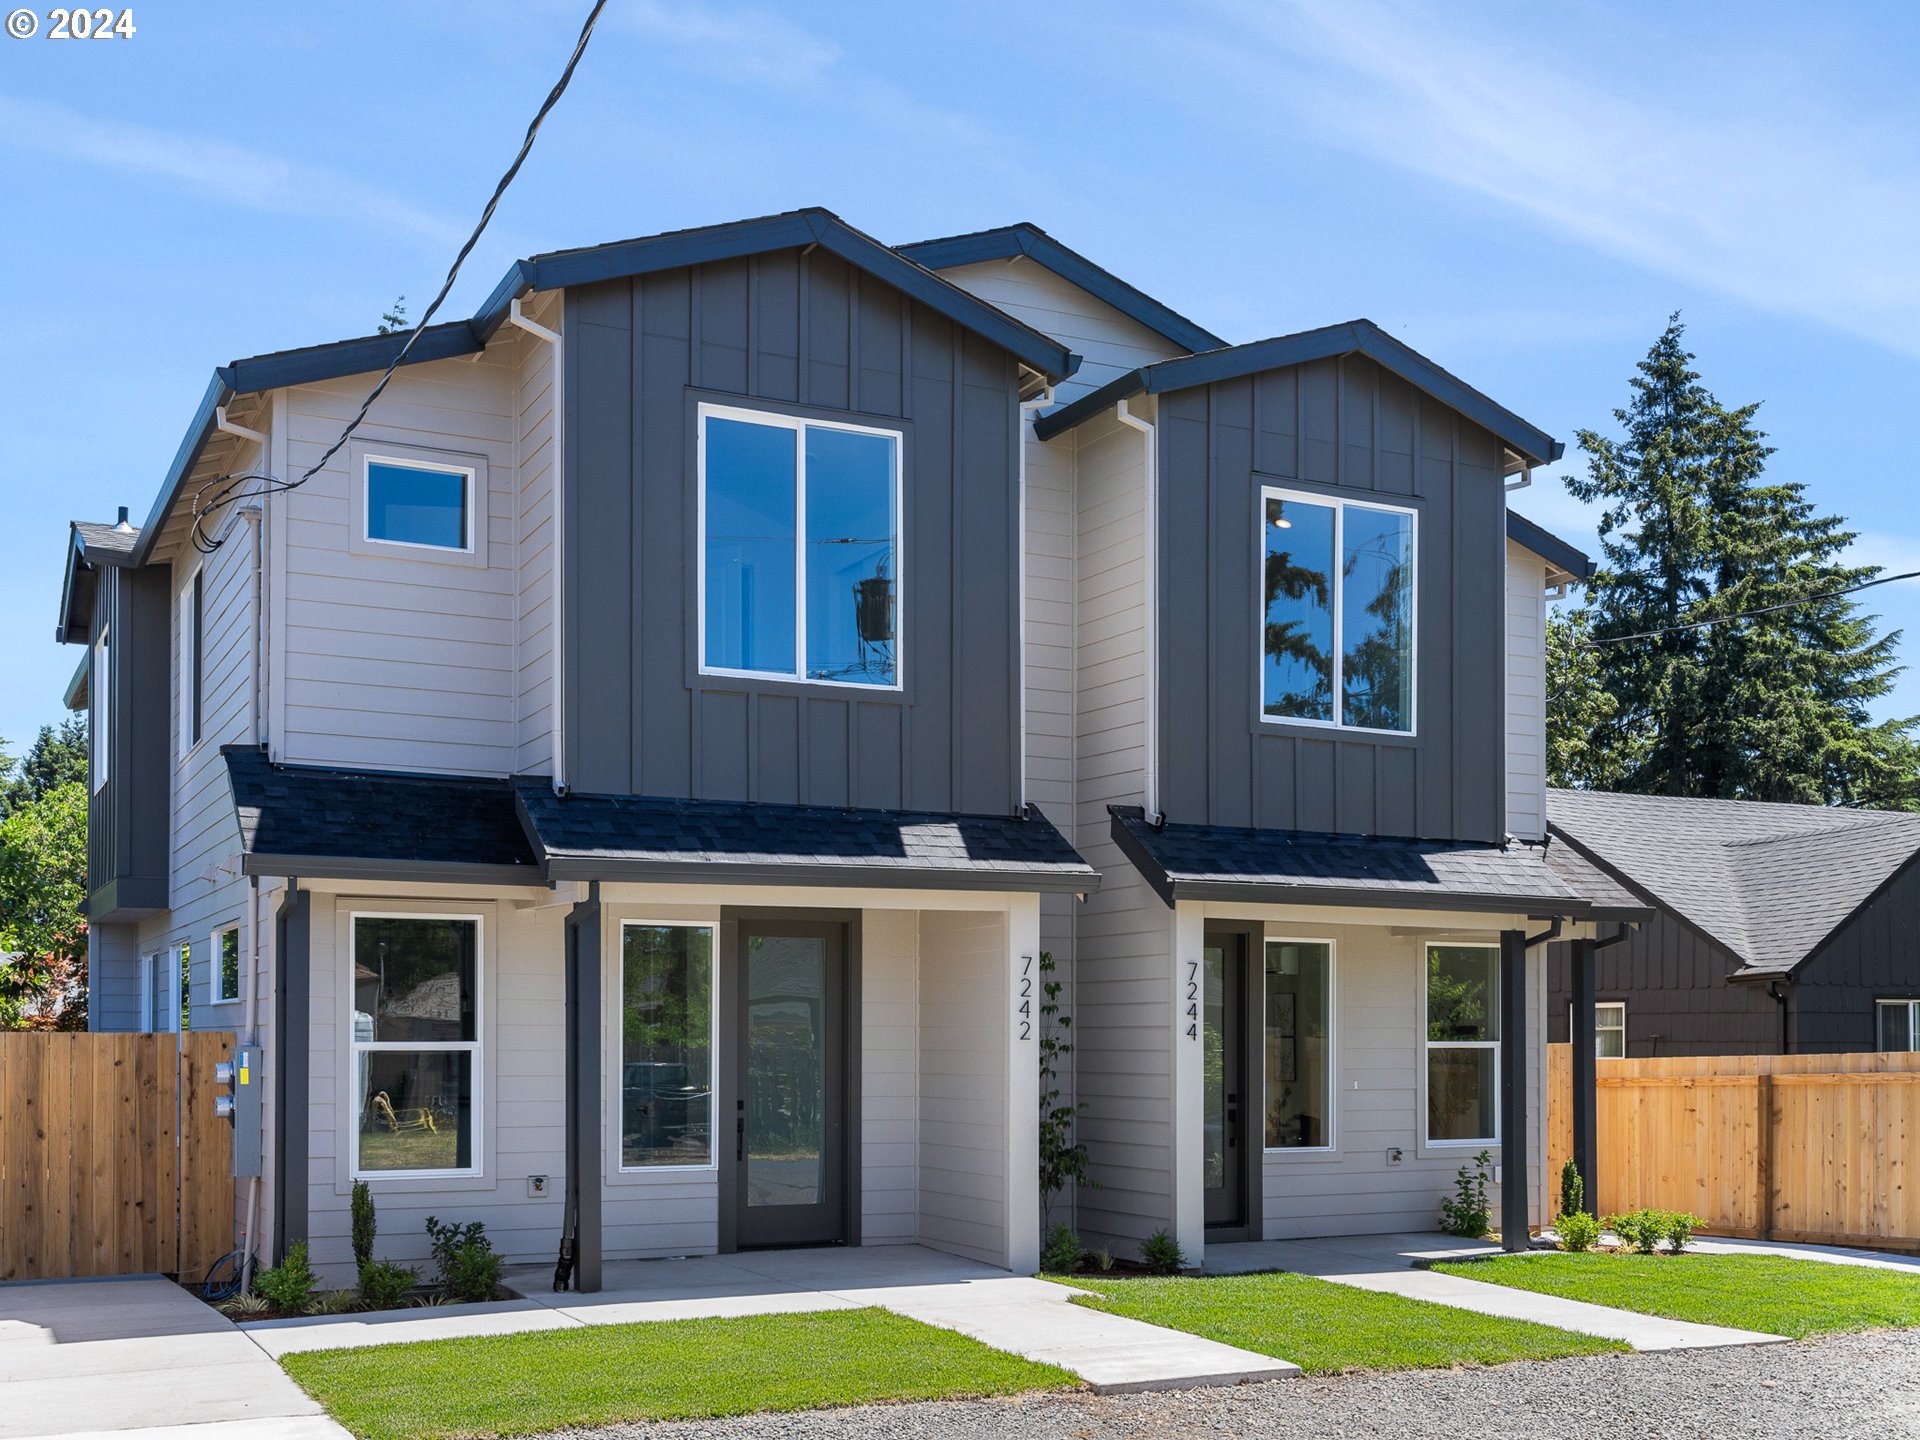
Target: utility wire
{"points": [[228, 487], [1749, 614]]}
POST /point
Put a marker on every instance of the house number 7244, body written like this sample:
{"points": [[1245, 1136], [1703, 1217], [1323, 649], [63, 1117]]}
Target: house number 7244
{"points": [[1193, 999]]}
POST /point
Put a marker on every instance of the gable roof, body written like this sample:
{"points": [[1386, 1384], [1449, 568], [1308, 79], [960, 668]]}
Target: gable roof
{"points": [[1035, 244], [1355, 337], [1563, 556], [91, 544], [1769, 883], [619, 260]]}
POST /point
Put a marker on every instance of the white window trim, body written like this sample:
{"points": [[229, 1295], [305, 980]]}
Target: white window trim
{"points": [[470, 478], [215, 969], [476, 1047], [800, 424], [150, 1023], [1332, 1146], [1600, 1005], [1339, 505], [1427, 1047], [192, 662], [102, 709], [615, 1051], [1912, 1007]]}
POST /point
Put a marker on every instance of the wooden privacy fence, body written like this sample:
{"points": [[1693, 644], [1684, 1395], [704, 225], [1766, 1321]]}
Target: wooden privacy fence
{"points": [[1811, 1148], [112, 1161]]}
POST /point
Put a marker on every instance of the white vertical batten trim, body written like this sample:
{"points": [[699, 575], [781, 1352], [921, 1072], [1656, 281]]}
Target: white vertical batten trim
{"points": [[1150, 768], [518, 318]]}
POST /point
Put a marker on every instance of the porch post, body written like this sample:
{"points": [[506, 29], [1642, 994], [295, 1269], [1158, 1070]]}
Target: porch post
{"points": [[1023, 1086], [1514, 1189], [1586, 1098], [583, 1088], [290, 1069]]}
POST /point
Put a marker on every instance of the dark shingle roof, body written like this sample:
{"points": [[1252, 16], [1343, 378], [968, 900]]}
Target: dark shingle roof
{"points": [[309, 820], [1211, 862], [1767, 882], [637, 837], [104, 543]]}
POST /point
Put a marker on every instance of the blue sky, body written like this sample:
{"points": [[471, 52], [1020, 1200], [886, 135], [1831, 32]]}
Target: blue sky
{"points": [[1523, 192]]}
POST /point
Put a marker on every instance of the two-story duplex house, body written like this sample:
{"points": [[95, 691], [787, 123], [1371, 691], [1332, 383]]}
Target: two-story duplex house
{"points": [[628, 785]]}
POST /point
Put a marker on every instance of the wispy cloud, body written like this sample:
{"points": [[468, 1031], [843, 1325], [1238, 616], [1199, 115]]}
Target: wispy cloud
{"points": [[1788, 205], [228, 174], [753, 45]]}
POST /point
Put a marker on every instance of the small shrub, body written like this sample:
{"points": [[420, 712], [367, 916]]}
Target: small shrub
{"points": [[1062, 1253], [364, 1225], [1162, 1255], [246, 1307], [1573, 1190], [1578, 1231], [333, 1302], [469, 1270], [1102, 1259], [1680, 1228], [1466, 1212], [1642, 1229], [288, 1286], [384, 1285]]}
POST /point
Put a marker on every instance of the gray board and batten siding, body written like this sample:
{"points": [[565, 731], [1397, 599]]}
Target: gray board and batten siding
{"points": [[128, 835], [1343, 427], [800, 334]]}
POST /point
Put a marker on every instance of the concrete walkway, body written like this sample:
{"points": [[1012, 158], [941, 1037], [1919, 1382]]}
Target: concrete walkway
{"points": [[139, 1358], [1018, 1314], [1391, 1264]]}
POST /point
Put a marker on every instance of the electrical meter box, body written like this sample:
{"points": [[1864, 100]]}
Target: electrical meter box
{"points": [[237, 1101]]}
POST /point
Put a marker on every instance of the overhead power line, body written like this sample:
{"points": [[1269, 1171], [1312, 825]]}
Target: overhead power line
{"points": [[1593, 644], [229, 487]]}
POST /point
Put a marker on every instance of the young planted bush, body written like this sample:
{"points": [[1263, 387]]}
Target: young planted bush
{"points": [[364, 1225], [469, 1270], [1466, 1211], [1162, 1255], [1062, 1253], [1642, 1229], [1680, 1228], [384, 1285], [1578, 1231], [1573, 1190], [288, 1286]]}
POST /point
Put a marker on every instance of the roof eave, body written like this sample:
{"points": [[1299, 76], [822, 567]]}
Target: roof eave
{"points": [[347, 867], [1568, 559], [704, 871]]}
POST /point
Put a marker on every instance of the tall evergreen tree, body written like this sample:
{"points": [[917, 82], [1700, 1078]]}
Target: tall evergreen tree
{"points": [[56, 758], [1770, 707]]}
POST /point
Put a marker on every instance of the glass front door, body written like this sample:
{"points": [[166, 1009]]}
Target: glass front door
{"points": [[1223, 990], [789, 1122]]}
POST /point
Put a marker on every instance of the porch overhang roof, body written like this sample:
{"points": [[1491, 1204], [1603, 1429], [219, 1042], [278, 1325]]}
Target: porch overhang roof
{"points": [[325, 823], [1296, 867]]}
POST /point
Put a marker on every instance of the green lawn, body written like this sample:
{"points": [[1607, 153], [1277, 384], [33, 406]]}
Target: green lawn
{"points": [[1772, 1293], [1326, 1328], [660, 1370]]}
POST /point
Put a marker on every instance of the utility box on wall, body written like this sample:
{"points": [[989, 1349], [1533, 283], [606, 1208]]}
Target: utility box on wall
{"points": [[241, 1079]]}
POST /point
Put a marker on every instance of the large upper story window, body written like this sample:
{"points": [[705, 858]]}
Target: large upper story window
{"points": [[410, 502], [799, 548], [1337, 597]]}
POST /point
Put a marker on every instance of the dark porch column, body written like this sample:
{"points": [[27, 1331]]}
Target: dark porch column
{"points": [[1585, 1050], [583, 1089], [1514, 1209], [290, 1068]]}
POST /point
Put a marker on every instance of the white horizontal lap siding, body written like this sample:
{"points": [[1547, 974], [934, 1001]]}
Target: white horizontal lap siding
{"points": [[522, 1113], [535, 431], [392, 660], [1526, 721], [889, 1077], [962, 1102]]}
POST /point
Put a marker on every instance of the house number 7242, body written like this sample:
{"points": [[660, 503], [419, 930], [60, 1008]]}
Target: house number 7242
{"points": [[1024, 1010]]}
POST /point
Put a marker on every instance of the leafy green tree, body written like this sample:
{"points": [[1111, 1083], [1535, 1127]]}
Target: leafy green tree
{"points": [[1664, 693], [57, 757], [43, 876]]}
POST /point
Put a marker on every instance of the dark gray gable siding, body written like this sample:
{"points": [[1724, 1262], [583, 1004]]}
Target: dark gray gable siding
{"points": [[1874, 955], [1674, 982], [802, 332], [1346, 426], [128, 820]]}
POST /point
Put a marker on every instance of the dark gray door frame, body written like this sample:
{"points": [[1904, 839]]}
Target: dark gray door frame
{"points": [[727, 1057], [1250, 1083]]}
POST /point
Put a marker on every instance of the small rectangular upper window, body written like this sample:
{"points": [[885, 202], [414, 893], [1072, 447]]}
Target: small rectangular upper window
{"points": [[100, 683], [800, 548], [1899, 1024], [411, 503], [1336, 612]]}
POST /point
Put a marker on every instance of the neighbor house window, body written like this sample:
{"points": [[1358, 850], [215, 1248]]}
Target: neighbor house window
{"points": [[411, 502], [1299, 1052], [1463, 1034], [666, 1045], [226, 965], [102, 709], [1337, 597], [1899, 1024], [193, 627], [1610, 1030], [799, 548], [416, 1042]]}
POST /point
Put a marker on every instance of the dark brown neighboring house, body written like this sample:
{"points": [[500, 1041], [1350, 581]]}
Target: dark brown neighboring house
{"points": [[1777, 928]]}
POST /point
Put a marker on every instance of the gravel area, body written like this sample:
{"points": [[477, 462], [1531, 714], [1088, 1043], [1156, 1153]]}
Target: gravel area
{"points": [[1834, 1388]]}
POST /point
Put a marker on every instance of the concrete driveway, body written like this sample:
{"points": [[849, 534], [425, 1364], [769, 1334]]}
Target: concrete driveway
{"points": [[139, 1357]]}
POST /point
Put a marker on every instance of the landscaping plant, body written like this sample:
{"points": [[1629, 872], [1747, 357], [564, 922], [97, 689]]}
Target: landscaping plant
{"points": [[1642, 1229], [1062, 1253], [1578, 1231], [384, 1285], [1063, 1158], [469, 1270], [364, 1226], [1573, 1190], [288, 1286], [1680, 1228], [1162, 1255], [1466, 1212]]}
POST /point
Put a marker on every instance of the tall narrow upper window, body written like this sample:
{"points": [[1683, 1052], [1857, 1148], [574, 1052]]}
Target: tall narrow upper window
{"points": [[416, 1042], [193, 631], [1610, 1030], [226, 964], [1299, 1089], [413, 503], [1337, 595], [1463, 1034], [102, 707], [800, 549], [666, 1045]]}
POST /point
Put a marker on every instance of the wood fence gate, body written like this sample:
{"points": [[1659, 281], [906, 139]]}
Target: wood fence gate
{"points": [[1810, 1148], [112, 1161]]}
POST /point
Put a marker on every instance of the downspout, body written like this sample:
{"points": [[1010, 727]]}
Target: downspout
{"points": [[1028, 410], [1150, 782], [1778, 990], [517, 317]]}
